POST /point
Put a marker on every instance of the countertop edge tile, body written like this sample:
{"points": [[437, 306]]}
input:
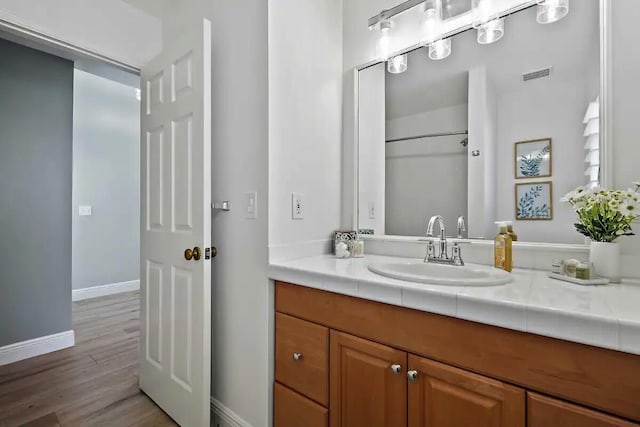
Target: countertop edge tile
{"points": [[576, 315]]}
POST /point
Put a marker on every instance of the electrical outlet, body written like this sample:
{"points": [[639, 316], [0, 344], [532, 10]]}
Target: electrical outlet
{"points": [[297, 206], [372, 210], [251, 205]]}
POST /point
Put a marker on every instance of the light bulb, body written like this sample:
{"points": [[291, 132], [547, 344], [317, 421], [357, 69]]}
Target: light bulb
{"points": [[440, 49], [550, 11], [383, 48], [397, 64], [491, 31], [432, 18]]}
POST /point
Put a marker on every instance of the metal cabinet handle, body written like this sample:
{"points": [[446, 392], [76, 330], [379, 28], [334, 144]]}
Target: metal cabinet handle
{"points": [[412, 375], [396, 369], [297, 356]]}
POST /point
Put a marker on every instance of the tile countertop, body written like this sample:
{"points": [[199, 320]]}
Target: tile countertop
{"points": [[603, 316]]}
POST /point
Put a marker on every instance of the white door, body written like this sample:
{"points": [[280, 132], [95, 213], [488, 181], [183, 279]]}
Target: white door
{"points": [[175, 306]]}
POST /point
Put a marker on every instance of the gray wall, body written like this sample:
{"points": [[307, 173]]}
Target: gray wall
{"points": [[106, 176], [36, 96]]}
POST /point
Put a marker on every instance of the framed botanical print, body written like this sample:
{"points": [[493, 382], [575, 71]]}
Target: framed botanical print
{"points": [[534, 201], [533, 158]]}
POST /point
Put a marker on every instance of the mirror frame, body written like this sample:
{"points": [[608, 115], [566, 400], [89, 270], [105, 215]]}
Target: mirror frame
{"points": [[606, 151]]}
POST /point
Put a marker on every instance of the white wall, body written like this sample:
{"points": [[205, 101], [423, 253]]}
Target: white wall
{"points": [[428, 176], [371, 159], [106, 176], [305, 122], [544, 108], [111, 28]]}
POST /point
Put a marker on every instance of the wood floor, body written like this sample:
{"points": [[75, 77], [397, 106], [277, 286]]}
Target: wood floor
{"points": [[94, 383]]}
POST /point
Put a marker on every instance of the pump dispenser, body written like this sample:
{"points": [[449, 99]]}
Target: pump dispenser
{"points": [[502, 248]]}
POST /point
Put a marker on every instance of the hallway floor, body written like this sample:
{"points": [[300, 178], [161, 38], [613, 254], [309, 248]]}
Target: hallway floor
{"points": [[94, 383]]}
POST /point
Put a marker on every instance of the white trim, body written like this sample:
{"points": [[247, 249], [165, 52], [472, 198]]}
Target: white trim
{"points": [[103, 290], [31, 348], [226, 416], [12, 24], [606, 95]]}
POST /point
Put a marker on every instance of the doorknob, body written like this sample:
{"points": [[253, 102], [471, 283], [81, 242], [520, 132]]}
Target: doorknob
{"points": [[194, 254]]}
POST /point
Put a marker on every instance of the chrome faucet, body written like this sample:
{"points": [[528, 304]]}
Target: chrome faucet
{"points": [[461, 227], [443, 255]]}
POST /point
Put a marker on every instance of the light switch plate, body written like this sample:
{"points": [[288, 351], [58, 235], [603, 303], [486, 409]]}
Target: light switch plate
{"points": [[372, 210], [84, 210], [251, 205], [297, 206]]}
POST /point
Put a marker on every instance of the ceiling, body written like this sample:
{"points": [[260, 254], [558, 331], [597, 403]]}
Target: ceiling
{"points": [[570, 46]]}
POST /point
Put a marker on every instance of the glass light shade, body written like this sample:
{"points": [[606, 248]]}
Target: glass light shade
{"points": [[383, 48], [440, 49], [431, 21], [397, 64], [491, 31], [550, 11]]}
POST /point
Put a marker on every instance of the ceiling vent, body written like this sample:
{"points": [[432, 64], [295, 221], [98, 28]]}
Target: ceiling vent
{"points": [[537, 74]]}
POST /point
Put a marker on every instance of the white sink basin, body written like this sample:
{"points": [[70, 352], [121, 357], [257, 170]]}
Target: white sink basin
{"points": [[438, 274]]}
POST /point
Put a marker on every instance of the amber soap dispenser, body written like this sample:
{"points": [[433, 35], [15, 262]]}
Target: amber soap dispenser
{"points": [[502, 248]]}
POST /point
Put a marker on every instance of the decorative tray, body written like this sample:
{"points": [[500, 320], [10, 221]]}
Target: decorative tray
{"points": [[592, 282]]}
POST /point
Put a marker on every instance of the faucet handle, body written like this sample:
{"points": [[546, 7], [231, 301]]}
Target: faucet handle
{"points": [[456, 254]]}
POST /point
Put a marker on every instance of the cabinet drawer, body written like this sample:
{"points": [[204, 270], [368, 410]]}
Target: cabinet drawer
{"points": [[309, 373], [294, 410], [543, 411]]}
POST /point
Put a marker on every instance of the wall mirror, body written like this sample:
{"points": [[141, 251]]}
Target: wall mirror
{"points": [[497, 131]]}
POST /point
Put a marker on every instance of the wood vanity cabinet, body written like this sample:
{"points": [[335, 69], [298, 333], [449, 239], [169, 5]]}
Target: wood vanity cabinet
{"points": [[347, 362]]}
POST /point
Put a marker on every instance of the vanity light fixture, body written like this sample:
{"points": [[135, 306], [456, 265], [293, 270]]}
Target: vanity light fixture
{"points": [[440, 49], [383, 48], [397, 64], [490, 29], [432, 31], [550, 11]]}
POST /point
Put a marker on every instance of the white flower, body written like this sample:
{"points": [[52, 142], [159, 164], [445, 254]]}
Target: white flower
{"points": [[637, 184], [630, 209]]}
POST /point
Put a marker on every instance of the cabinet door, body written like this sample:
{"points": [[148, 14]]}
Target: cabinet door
{"points": [[544, 411], [443, 396], [366, 389]]}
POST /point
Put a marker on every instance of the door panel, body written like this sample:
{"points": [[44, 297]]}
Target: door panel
{"points": [[175, 362], [444, 396], [364, 391]]}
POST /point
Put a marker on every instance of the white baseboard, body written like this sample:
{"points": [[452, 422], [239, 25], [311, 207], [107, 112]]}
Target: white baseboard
{"points": [[27, 349], [103, 290], [225, 416]]}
